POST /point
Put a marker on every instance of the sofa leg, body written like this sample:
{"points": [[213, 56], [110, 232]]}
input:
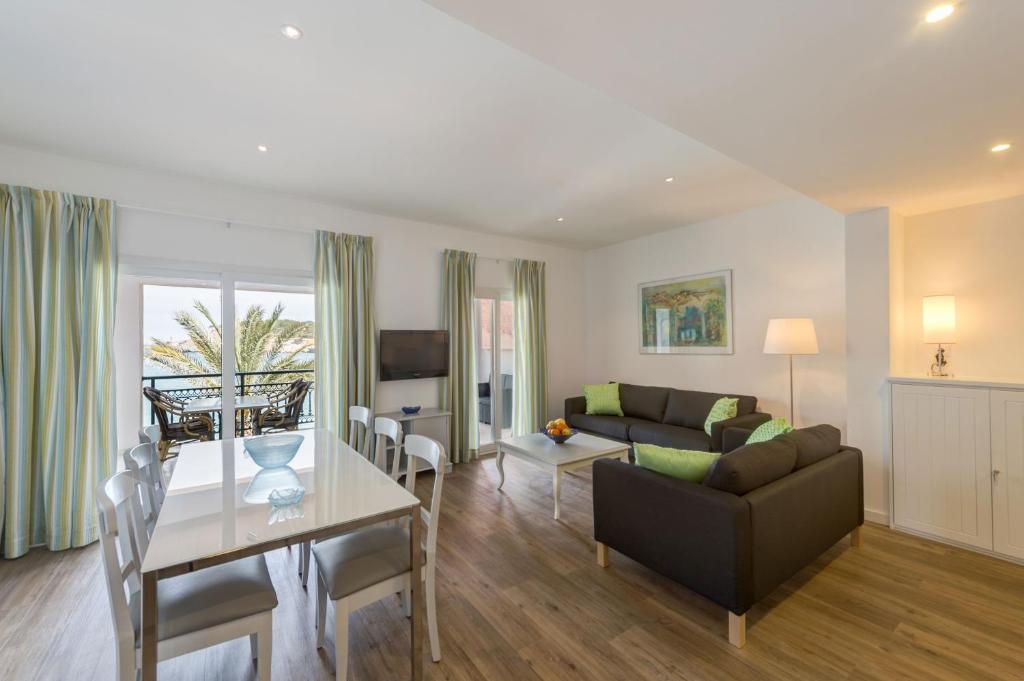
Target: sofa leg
{"points": [[855, 538], [737, 629], [602, 554]]}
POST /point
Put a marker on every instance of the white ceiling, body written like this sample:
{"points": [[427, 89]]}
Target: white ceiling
{"points": [[389, 106], [857, 103]]}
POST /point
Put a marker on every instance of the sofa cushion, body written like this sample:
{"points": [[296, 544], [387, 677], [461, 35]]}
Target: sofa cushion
{"points": [[685, 464], [616, 427], [603, 398], [769, 430], [643, 402], [752, 466], [669, 436], [690, 408], [723, 409], [813, 444]]}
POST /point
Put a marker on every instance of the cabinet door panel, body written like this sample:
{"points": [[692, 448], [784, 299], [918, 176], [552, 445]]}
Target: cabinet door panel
{"points": [[942, 462], [1008, 483]]}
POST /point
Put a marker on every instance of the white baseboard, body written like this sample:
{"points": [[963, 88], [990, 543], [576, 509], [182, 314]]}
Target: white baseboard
{"points": [[880, 517]]}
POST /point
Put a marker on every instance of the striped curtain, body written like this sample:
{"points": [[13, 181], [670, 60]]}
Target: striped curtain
{"points": [[530, 397], [458, 286], [58, 288], [345, 335]]}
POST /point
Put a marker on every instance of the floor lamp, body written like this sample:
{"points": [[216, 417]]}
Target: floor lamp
{"points": [[791, 337]]}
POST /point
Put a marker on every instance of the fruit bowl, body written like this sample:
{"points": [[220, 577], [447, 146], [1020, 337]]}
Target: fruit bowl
{"points": [[559, 439], [271, 451]]}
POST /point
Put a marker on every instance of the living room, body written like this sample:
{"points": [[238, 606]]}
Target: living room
{"points": [[568, 224]]}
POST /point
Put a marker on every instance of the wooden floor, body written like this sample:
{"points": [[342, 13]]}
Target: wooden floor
{"points": [[520, 597]]}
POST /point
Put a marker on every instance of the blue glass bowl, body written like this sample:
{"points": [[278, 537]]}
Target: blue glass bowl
{"points": [[410, 410], [271, 451], [559, 439], [281, 480]]}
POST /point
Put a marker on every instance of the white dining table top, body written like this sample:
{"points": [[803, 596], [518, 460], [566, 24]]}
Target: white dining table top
{"points": [[202, 517], [205, 405]]}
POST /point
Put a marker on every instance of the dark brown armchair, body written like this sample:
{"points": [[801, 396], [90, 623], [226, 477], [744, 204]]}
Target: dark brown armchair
{"points": [[176, 426], [284, 411]]}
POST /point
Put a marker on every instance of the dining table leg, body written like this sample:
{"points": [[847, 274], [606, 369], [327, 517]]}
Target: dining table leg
{"points": [[149, 619], [416, 594]]}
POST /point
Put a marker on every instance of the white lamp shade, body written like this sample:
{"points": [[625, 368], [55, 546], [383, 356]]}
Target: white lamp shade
{"points": [[938, 316], [791, 337]]}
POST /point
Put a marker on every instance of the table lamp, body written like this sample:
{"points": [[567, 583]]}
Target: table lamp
{"points": [[938, 318], [791, 337]]}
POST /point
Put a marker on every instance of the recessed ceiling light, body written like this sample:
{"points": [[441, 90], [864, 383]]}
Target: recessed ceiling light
{"points": [[1005, 146], [560, 220], [291, 32], [939, 13], [670, 179], [262, 148]]}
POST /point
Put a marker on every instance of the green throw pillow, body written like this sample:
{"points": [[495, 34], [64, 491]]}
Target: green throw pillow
{"points": [[769, 430], [603, 398], [686, 464], [725, 408]]}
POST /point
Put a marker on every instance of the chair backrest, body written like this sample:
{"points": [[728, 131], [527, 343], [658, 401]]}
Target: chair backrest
{"points": [[161, 406], [387, 429], [297, 396], [431, 451], [357, 415], [149, 434], [143, 461], [120, 516]]}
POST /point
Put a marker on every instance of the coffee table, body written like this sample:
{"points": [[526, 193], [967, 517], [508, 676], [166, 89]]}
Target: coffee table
{"points": [[579, 452]]}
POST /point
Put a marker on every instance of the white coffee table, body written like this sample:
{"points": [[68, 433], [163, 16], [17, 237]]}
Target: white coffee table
{"points": [[580, 451]]}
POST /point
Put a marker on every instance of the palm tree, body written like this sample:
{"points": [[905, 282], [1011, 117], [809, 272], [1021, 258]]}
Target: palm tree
{"points": [[260, 343]]}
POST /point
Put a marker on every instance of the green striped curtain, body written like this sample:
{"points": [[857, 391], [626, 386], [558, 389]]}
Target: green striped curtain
{"points": [[58, 289], [530, 397], [345, 335], [458, 286]]}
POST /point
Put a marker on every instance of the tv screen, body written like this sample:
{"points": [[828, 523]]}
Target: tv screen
{"points": [[413, 354]]}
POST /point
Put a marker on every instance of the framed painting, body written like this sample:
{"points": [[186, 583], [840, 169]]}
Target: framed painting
{"points": [[687, 315]]}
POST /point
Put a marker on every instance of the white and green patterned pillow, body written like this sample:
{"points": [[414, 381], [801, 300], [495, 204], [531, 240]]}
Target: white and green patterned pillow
{"points": [[769, 430], [724, 408]]}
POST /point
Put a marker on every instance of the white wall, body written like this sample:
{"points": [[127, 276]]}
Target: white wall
{"points": [[869, 237], [974, 253], [408, 291], [787, 261]]}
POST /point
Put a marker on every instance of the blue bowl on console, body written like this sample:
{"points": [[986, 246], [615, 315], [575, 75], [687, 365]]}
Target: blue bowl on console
{"points": [[558, 439], [409, 411], [273, 451]]}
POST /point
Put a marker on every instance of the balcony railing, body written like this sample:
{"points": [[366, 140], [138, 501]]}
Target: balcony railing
{"points": [[248, 383]]}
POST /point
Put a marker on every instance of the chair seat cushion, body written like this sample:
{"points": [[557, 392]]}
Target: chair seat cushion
{"points": [[665, 435], [616, 427], [211, 596], [360, 559]]}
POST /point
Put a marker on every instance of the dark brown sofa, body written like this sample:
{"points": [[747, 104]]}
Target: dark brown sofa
{"points": [[664, 416], [763, 513]]}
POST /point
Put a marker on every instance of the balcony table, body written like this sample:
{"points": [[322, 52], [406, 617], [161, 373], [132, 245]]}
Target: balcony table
{"points": [[213, 405], [204, 520]]}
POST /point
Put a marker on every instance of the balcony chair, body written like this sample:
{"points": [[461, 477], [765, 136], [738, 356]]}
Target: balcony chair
{"points": [[176, 426], [283, 413]]}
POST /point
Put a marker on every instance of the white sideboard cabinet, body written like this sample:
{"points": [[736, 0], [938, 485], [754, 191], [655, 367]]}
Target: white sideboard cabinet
{"points": [[958, 461]]}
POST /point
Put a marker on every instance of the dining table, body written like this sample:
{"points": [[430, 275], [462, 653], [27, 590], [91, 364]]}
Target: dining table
{"points": [[214, 405], [216, 511]]}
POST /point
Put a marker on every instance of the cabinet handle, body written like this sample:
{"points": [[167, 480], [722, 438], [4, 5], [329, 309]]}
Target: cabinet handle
{"points": [[995, 474]]}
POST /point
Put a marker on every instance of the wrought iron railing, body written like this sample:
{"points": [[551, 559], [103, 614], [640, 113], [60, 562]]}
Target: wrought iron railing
{"points": [[246, 385]]}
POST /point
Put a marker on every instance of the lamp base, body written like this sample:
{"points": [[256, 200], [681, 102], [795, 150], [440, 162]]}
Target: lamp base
{"points": [[938, 368]]}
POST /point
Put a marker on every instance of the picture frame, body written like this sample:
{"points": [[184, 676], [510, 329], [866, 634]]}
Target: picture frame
{"points": [[691, 314]]}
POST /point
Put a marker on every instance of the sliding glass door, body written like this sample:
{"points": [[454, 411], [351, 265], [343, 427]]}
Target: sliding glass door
{"points": [[495, 343]]}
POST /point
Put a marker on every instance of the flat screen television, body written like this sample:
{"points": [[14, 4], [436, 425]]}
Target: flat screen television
{"points": [[413, 354]]}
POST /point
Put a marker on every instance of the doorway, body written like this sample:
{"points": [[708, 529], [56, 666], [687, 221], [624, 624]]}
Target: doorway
{"points": [[494, 333]]}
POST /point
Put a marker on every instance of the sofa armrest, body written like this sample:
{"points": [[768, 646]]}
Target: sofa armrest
{"points": [[749, 421], [575, 405], [734, 438], [695, 535]]}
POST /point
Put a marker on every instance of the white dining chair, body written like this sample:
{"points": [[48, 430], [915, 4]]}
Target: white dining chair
{"points": [[386, 430], [150, 434], [364, 566], [196, 610], [358, 416], [143, 462]]}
